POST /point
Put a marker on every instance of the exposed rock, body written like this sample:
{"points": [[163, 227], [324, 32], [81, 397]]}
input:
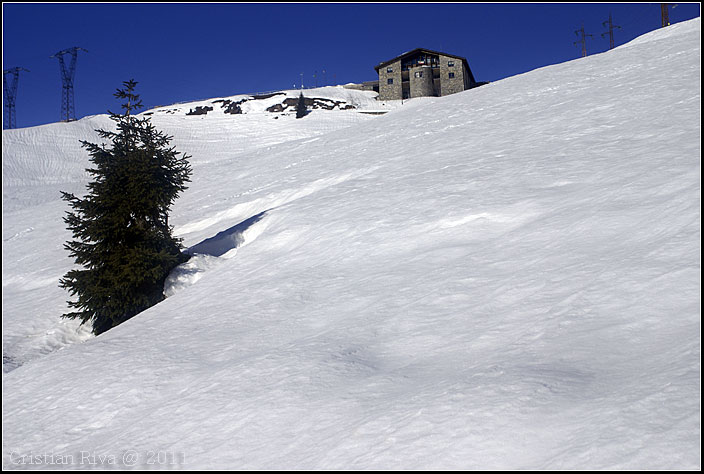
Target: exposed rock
{"points": [[200, 110], [230, 107], [275, 108], [233, 108], [312, 103]]}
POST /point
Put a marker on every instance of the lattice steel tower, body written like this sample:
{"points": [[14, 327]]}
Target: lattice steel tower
{"points": [[10, 92], [611, 31], [68, 111], [583, 40]]}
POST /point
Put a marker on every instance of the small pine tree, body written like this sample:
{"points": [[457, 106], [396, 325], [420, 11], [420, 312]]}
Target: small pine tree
{"points": [[301, 110], [123, 240]]}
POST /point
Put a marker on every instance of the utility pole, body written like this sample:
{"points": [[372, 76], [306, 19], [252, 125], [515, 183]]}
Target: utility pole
{"points": [[301, 81], [583, 40], [665, 14], [68, 112], [10, 93], [315, 78], [611, 31]]}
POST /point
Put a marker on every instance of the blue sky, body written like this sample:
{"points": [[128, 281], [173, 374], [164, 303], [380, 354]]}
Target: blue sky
{"points": [[179, 52]]}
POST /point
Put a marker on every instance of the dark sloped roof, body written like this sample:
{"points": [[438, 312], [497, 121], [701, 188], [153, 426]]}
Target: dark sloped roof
{"points": [[421, 50]]}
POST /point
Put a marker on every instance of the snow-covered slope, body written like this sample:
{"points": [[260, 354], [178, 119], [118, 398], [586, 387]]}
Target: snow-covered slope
{"points": [[507, 277], [39, 162]]}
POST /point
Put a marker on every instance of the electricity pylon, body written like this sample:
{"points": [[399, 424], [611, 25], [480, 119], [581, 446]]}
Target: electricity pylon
{"points": [[68, 111], [611, 31], [10, 92], [665, 13], [583, 40]]}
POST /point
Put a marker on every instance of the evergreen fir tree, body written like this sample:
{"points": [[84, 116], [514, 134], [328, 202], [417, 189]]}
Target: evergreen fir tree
{"points": [[122, 237], [301, 110]]}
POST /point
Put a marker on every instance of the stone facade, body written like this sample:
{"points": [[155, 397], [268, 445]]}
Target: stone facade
{"points": [[451, 76], [421, 82], [423, 73], [390, 82]]}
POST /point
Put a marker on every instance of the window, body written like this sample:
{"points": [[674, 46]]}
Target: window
{"points": [[390, 80], [389, 69], [450, 64], [451, 75], [418, 74]]}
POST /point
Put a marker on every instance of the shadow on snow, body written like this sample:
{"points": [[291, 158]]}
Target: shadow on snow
{"points": [[226, 240]]}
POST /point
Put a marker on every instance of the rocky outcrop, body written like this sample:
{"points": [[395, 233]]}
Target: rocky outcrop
{"points": [[311, 103], [288, 104]]}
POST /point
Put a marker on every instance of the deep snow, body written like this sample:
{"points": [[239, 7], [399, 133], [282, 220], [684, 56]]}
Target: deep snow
{"points": [[507, 277]]}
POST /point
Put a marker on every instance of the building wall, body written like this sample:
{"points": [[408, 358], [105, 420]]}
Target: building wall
{"points": [[421, 81], [451, 85], [390, 91], [427, 85]]}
